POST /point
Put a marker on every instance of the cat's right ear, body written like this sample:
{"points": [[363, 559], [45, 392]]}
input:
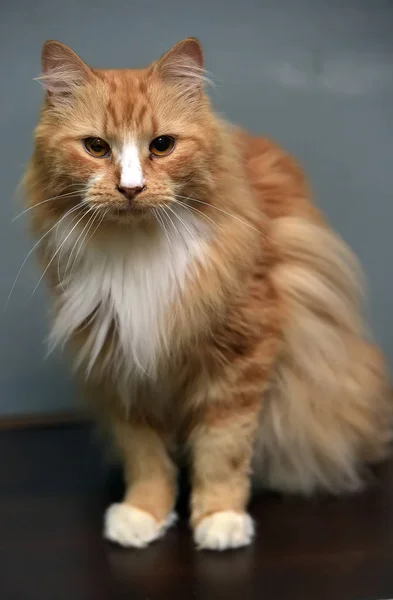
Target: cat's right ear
{"points": [[62, 69], [182, 67]]}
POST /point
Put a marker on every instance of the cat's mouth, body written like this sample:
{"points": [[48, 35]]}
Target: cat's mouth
{"points": [[127, 211], [128, 208]]}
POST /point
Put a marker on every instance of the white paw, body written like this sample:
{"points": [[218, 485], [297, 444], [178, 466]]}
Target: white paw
{"points": [[224, 530], [132, 527]]}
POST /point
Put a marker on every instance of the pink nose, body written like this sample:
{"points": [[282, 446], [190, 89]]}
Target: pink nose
{"points": [[130, 192]]}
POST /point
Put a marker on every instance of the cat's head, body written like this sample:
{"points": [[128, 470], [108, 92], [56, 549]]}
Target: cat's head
{"points": [[128, 140]]}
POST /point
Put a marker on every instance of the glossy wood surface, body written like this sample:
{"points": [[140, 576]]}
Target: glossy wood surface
{"points": [[55, 484]]}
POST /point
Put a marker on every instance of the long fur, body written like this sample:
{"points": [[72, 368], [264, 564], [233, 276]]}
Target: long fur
{"points": [[220, 317], [328, 411], [135, 293]]}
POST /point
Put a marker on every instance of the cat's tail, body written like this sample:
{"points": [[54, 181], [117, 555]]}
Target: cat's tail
{"points": [[329, 410]]}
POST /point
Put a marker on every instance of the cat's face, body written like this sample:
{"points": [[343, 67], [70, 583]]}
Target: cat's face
{"points": [[132, 141]]}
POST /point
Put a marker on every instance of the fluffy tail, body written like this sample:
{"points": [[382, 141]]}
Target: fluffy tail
{"points": [[328, 411]]}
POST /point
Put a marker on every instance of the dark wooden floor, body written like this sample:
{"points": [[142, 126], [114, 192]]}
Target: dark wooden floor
{"points": [[53, 490]]}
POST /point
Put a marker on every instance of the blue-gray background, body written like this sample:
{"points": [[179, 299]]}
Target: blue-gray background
{"points": [[317, 75]]}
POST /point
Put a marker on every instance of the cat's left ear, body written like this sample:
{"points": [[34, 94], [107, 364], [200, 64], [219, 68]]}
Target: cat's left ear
{"points": [[62, 69], [182, 66]]}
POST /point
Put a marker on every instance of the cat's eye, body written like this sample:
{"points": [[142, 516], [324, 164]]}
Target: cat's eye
{"points": [[162, 145], [97, 147]]}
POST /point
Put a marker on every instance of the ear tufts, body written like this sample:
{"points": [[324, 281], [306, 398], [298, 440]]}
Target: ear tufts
{"points": [[62, 69], [182, 66]]}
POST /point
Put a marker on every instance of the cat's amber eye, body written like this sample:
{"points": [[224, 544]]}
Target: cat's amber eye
{"points": [[97, 147], [162, 145]]}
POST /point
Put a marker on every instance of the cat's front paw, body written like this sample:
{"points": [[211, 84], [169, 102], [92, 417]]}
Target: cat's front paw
{"points": [[224, 530], [132, 527]]}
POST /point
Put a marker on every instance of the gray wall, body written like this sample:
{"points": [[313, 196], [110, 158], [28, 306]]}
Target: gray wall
{"points": [[317, 75]]}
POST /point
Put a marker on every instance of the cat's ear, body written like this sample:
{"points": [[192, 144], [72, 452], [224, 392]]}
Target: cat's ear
{"points": [[62, 69], [182, 66]]}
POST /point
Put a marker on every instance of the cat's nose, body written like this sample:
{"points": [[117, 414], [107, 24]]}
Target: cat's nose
{"points": [[130, 192]]}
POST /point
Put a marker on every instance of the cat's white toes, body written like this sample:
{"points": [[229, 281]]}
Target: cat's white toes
{"points": [[132, 527], [224, 530]]}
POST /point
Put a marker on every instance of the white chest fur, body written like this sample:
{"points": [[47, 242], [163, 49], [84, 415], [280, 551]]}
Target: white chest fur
{"points": [[128, 281]]}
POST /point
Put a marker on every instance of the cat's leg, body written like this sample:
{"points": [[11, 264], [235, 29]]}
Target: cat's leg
{"points": [[146, 511], [221, 448]]}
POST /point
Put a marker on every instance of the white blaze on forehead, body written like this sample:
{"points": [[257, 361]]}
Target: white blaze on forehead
{"points": [[131, 168]]}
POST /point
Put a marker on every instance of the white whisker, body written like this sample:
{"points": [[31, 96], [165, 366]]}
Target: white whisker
{"points": [[164, 213], [59, 259], [191, 233], [86, 227], [86, 239], [197, 211], [224, 212], [34, 247], [156, 212], [56, 253], [60, 196], [99, 224]]}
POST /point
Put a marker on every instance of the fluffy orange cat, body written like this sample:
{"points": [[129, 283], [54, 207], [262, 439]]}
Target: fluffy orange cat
{"points": [[211, 311]]}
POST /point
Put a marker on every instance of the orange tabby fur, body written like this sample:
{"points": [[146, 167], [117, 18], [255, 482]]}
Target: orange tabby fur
{"points": [[258, 361]]}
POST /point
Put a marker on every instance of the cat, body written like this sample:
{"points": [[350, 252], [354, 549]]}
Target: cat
{"points": [[212, 313]]}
